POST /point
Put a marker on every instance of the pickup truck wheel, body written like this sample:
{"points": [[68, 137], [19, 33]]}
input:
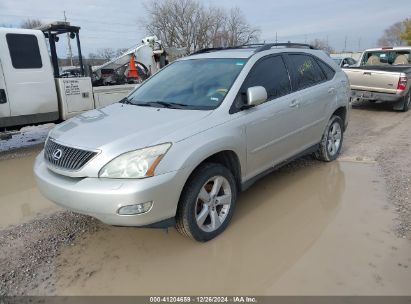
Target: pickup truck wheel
{"points": [[207, 203], [331, 142], [406, 102]]}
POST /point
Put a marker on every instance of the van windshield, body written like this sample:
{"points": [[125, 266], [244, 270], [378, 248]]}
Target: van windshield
{"points": [[386, 57], [198, 84]]}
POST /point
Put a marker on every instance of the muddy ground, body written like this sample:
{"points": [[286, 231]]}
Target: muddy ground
{"points": [[309, 229]]}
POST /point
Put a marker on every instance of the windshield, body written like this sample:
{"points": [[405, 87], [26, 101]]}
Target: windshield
{"points": [[337, 61], [199, 84], [386, 57]]}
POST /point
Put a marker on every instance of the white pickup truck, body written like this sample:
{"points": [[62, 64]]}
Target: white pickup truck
{"points": [[31, 87], [383, 75]]}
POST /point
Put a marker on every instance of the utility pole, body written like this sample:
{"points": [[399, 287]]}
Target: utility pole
{"points": [[276, 38], [345, 43], [70, 53]]}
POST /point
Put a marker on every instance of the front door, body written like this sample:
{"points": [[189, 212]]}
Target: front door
{"points": [[270, 126]]}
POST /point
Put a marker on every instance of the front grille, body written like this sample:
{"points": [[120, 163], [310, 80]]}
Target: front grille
{"points": [[66, 158]]}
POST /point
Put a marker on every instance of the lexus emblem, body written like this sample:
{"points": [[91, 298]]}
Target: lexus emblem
{"points": [[57, 154]]}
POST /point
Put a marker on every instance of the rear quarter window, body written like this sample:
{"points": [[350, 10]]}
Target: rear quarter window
{"points": [[24, 51], [328, 71]]}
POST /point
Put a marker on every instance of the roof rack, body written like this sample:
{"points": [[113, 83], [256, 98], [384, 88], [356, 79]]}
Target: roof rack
{"points": [[259, 47], [268, 46]]}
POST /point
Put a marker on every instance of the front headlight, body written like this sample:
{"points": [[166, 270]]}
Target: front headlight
{"points": [[135, 164]]}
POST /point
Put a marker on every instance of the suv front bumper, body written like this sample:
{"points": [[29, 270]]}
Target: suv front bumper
{"points": [[102, 197]]}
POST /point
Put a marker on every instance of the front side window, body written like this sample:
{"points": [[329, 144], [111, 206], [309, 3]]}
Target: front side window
{"points": [[24, 51], [272, 74], [198, 84], [306, 71]]}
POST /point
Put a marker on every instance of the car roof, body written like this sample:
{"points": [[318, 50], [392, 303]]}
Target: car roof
{"points": [[246, 52]]}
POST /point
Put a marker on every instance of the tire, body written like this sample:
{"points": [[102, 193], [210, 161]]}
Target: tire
{"points": [[406, 102], [331, 142], [201, 213]]}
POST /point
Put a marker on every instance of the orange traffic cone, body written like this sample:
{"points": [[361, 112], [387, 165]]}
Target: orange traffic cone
{"points": [[132, 71]]}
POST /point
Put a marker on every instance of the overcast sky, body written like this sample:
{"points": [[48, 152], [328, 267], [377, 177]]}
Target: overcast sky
{"points": [[115, 24]]}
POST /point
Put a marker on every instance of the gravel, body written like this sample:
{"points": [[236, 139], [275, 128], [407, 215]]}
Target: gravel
{"points": [[28, 251]]}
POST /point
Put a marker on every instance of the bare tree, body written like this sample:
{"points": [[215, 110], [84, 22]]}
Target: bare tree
{"points": [[322, 45], [392, 35], [191, 25], [31, 23], [106, 53], [120, 51]]}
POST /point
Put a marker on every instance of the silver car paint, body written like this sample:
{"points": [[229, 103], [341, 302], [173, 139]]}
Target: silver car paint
{"points": [[260, 137]]}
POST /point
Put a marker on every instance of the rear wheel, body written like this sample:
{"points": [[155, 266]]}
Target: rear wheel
{"points": [[406, 102], [207, 203], [331, 142]]}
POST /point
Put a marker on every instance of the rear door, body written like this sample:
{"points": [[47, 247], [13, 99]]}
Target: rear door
{"points": [[315, 95], [4, 104]]}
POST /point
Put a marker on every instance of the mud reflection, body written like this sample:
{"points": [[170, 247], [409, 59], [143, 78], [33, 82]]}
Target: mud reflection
{"points": [[276, 222], [19, 198]]}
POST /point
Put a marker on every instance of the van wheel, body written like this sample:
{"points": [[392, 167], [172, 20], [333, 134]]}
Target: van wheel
{"points": [[331, 142], [207, 203]]}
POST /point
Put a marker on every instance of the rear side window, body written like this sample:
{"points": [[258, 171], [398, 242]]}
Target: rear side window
{"points": [[24, 51], [306, 71], [272, 74], [328, 71]]}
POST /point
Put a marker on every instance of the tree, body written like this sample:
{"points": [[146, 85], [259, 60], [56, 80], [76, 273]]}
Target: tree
{"points": [[191, 25], [120, 51], [406, 33], [106, 53], [31, 23], [322, 45], [392, 35]]}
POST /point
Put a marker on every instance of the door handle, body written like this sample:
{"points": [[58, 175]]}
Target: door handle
{"points": [[3, 97], [294, 103], [331, 91], [367, 73]]}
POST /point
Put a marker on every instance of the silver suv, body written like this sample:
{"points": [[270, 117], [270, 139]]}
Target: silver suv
{"points": [[182, 145]]}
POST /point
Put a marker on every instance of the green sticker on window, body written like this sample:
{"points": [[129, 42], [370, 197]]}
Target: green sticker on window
{"points": [[239, 63]]}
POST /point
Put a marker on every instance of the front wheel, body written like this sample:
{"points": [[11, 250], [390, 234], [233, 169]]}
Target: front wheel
{"points": [[207, 203], [331, 142]]}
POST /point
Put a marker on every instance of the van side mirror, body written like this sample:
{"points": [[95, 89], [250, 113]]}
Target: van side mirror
{"points": [[256, 95], [346, 65]]}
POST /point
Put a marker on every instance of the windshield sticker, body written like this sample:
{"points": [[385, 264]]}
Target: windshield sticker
{"points": [[383, 55], [239, 63]]}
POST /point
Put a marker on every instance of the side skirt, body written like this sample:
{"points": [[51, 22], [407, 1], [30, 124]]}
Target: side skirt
{"points": [[247, 184]]}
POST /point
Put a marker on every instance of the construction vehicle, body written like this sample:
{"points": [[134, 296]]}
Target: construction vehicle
{"points": [[33, 89]]}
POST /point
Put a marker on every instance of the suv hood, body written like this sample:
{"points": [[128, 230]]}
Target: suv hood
{"points": [[130, 126]]}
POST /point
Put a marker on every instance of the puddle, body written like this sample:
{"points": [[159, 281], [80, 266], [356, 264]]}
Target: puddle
{"points": [[19, 198], [321, 229]]}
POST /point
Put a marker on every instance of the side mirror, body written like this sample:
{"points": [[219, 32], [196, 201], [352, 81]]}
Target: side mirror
{"points": [[346, 65], [256, 95]]}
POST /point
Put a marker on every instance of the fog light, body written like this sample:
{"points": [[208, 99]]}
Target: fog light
{"points": [[135, 209]]}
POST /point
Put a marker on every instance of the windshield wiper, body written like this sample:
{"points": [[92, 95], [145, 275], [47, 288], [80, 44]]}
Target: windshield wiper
{"points": [[163, 104]]}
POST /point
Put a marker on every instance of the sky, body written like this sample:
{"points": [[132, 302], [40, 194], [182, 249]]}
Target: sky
{"points": [[354, 25]]}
